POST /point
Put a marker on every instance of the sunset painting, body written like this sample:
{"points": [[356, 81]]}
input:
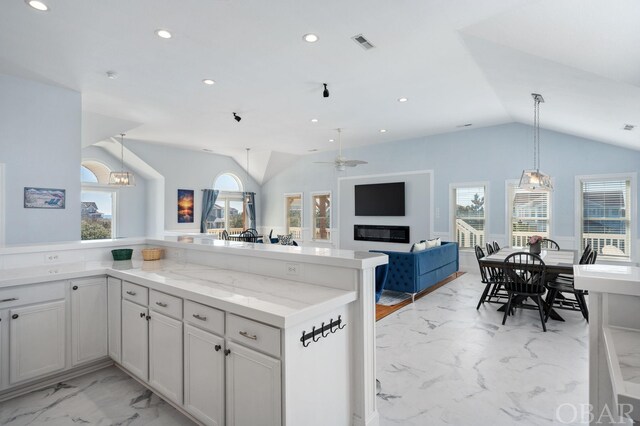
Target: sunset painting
{"points": [[185, 205]]}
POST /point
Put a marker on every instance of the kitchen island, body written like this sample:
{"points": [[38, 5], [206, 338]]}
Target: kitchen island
{"points": [[229, 333]]}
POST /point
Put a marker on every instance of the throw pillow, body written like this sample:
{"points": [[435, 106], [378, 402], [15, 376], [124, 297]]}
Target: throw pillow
{"points": [[433, 243], [418, 247], [285, 240]]}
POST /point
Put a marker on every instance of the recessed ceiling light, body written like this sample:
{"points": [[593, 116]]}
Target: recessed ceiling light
{"points": [[208, 81], [37, 5], [402, 99], [163, 33], [313, 150], [332, 140], [314, 120], [383, 130], [310, 38]]}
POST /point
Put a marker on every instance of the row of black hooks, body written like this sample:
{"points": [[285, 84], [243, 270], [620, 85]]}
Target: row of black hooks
{"points": [[323, 331]]}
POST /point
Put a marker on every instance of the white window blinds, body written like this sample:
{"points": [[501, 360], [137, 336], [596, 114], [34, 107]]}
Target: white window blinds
{"points": [[606, 216], [529, 215]]}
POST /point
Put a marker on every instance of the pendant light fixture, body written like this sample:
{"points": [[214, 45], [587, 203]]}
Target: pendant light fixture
{"points": [[122, 178], [534, 179]]}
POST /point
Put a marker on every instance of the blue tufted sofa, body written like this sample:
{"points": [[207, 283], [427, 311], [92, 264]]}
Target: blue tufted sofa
{"points": [[414, 272]]}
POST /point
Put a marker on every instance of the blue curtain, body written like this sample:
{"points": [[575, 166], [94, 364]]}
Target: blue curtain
{"points": [[209, 197], [250, 200]]}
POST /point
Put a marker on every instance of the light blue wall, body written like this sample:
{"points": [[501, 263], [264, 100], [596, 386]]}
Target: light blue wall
{"points": [[40, 147], [131, 201], [492, 154], [187, 169]]}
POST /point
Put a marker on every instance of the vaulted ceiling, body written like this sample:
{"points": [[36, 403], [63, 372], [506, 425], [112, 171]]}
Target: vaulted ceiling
{"points": [[457, 62]]}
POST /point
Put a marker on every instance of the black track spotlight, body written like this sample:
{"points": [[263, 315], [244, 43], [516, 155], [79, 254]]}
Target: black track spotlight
{"points": [[325, 92], [236, 117]]}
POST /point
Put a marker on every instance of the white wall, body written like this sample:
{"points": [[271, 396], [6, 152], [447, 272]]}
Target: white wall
{"points": [[186, 169], [40, 147], [417, 210], [493, 154], [131, 214]]}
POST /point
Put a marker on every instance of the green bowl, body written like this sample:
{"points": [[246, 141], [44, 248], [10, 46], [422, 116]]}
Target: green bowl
{"points": [[122, 254]]}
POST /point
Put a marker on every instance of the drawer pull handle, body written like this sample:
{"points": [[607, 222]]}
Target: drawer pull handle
{"points": [[227, 352], [217, 347], [201, 318], [11, 299], [15, 316], [75, 287], [162, 305], [142, 315], [248, 336], [131, 293]]}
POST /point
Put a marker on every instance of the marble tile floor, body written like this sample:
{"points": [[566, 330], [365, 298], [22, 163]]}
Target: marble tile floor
{"points": [[441, 362], [106, 397]]}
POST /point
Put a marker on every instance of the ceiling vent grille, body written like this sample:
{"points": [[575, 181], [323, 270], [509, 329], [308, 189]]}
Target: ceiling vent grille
{"points": [[363, 42], [629, 127]]}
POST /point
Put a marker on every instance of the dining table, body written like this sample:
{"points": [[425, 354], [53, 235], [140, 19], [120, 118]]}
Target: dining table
{"points": [[556, 262], [245, 238]]}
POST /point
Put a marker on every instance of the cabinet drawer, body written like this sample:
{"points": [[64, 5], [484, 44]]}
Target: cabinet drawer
{"points": [[28, 294], [250, 333], [204, 317], [166, 304], [136, 293]]}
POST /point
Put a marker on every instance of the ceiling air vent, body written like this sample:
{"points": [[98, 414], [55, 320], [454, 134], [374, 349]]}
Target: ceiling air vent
{"points": [[629, 127], [363, 42]]}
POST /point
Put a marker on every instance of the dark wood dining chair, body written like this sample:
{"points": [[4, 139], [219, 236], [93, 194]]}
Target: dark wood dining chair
{"points": [[225, 235], [247, 236], [496, 247], [549, 244], [565, 285], [490, 249], [524, 276]]}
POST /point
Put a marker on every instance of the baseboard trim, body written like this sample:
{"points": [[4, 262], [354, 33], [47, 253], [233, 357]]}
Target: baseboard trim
{"points": [[164, 398], [24, 389]]}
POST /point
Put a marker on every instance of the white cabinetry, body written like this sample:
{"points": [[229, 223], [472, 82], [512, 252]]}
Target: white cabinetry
{"points": [[37, 340], [253, 388], [135, 339], [114, 309], [204, 375], [88, 320], [165, 356]]}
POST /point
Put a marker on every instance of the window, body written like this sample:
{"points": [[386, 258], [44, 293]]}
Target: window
{"points": [[229, 211], [293, 211], [606, 216], [469, 215], [98, 201], [321, 216], [530, 214]]}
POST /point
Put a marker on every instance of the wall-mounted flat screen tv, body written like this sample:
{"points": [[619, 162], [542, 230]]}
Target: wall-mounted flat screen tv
{"points": [[380, 199]]}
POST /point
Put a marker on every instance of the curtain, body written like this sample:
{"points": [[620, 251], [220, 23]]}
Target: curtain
{"points": [[209, 197], [250, 202]]}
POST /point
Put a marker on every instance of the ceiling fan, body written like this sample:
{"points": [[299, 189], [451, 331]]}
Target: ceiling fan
{"points": [[341, 163]]}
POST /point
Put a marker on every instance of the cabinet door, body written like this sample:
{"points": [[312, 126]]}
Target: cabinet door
{"points": [[135, 339], [253, 387], [204, 375], [165, 356], [88, 320], [36, 340], [114, 306]]}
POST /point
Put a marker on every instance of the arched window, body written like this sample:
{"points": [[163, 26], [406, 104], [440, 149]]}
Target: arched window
{"points": [[229, 212], [228, 182], [98, 202]]}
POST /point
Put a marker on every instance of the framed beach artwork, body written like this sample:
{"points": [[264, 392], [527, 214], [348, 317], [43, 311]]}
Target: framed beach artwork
{"points": [[185, 205], [44, 198]]}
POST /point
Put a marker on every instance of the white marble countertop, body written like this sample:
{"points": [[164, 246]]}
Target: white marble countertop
{"points": [[278, 302], [617, 279]]}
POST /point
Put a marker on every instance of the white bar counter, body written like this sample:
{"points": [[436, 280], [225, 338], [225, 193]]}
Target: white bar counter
{"points": [[614, 341]]}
